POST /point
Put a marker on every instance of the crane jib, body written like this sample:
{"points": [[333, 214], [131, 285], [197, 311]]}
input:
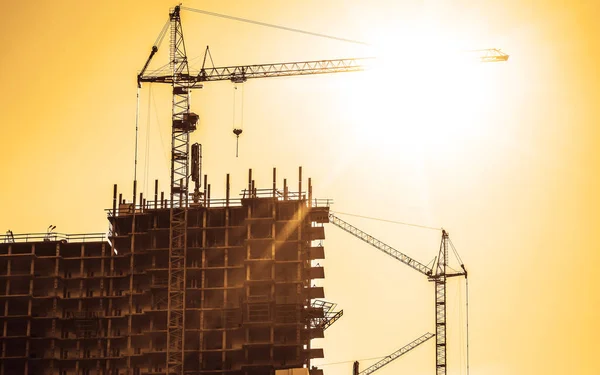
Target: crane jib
{"points": [[244, 72], [380, 245]]}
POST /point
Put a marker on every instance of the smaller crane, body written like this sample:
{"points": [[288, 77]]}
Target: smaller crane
{"points": [[395, 355], [438, 274]]}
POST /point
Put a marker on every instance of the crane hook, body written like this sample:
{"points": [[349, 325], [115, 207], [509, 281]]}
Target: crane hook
{"points": [[237, 133]]}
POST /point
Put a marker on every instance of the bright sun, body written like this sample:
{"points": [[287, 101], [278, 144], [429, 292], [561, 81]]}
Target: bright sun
{"points": [[421, 91], [423, 102]]}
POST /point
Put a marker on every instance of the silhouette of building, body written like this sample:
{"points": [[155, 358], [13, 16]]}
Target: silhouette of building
{"points": [[98, 304]]}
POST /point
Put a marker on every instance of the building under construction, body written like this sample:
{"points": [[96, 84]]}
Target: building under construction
{"points": [[96, 304]]}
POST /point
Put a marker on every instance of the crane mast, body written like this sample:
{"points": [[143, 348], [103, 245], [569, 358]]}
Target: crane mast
{"points": [[440, 306], [183, 124]]}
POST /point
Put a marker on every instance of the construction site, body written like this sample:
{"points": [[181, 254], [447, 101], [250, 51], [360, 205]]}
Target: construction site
{"points": [[190, 281]]}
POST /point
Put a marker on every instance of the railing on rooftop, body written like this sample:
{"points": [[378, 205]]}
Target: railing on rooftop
{"points": [[268, 193], [52, 237], [148, 205]]}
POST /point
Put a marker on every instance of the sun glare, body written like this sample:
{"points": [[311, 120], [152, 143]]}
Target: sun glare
{"points": [[421, 91]]}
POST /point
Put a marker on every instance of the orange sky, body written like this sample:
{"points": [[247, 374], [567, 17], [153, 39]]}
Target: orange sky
{"points": [[502, 155]]}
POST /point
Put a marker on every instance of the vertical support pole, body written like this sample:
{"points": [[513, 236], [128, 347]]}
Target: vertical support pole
{"points": [[208, 204], [299, 183], [285, 189], [250, 183], [114, 207], [203, 304], [134, 202], [309, 192], [155, 194], [226, 303], [29, 308], [302, 289], [274, 183], [114, 231], [227, 189], [205, 187], [131, 272]]}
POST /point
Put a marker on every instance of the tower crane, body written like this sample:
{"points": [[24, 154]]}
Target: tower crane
{"points": [[437, 273], [182, 81], [184, 122]]}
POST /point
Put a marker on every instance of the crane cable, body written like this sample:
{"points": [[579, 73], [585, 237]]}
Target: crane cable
{"points": [[162, 34], [467, 299], [148, 129], [165, 153], [275, 26], [137, 119], [238, 130], [388, 221], [157, 43], [358, 360], [463, 334], [467, 319], [455, 252]]}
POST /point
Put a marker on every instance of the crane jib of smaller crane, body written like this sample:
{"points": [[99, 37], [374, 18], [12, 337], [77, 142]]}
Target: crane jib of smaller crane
{"points": [[427, 271], [395, 355], [437, 274]]}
